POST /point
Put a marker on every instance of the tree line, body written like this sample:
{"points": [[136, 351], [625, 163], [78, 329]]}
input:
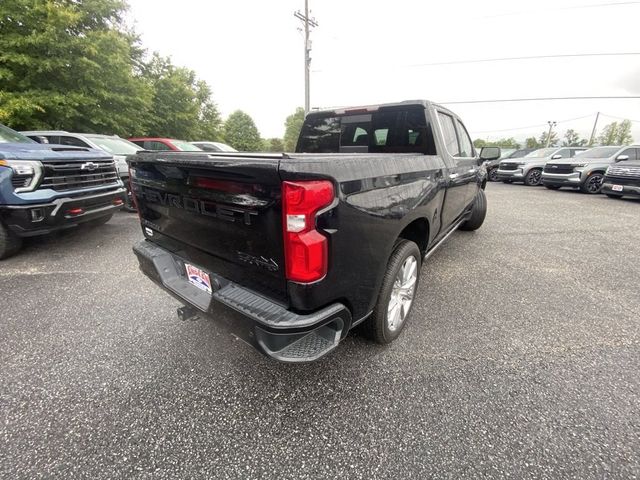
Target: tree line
{"points": [[615, 133], [75, 65]]}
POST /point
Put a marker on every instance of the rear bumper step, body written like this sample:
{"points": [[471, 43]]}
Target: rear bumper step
{"points": [[268, 326]]}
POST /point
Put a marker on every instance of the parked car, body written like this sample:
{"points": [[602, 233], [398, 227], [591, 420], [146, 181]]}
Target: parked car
{"points": [[623, 177], [164, 144], [214, 147], [492, 166], [45, 188], [584, 171], [118, 147], [307, 245], [528, 169]]}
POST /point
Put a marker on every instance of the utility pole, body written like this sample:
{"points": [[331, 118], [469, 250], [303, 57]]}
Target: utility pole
{"points": [[308, 22], [593, 132], [551, 125]]}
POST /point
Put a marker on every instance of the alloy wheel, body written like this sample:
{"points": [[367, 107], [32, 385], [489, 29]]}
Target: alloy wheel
{"points": [[594, 183], [402, 293]]}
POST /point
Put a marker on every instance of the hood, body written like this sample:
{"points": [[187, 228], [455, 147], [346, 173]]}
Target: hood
{"points": [[49, 153]]}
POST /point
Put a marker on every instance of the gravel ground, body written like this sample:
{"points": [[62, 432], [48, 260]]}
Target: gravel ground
{"points": [[521, 360]]}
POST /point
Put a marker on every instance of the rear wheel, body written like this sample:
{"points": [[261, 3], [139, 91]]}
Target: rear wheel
{"points": [[478, 213], [397, 293], [593, 183], [533, 178], [10, 243], [492, 174]]}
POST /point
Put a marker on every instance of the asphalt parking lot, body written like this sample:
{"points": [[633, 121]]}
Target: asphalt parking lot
{"points": [[521, 360]]}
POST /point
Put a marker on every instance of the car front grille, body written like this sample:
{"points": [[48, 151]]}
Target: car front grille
{"points": [[558, 168], [78, 175], [508, 166], [624, 172], [623, 181], [20, 181]]}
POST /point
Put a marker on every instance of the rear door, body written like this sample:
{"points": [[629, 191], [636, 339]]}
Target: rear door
{"points": [[218, 212], [462, 168]]}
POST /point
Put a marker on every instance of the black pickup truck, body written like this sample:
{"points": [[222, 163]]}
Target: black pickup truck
{"points": [[306, 246]]}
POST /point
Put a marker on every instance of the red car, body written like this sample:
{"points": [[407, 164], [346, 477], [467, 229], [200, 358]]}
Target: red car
{"points": [[160, 144]]}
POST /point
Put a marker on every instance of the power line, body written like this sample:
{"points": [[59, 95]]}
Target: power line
{"points": [[543, 99], [528, 57], [533, 126], [504, 59], [575, 7], [620, 118]]}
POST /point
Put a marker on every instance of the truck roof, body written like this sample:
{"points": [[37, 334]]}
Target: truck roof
{"points": [[373, 107]]}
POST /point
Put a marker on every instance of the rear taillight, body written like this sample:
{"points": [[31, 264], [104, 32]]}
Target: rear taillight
{"points": [[305, 249]]}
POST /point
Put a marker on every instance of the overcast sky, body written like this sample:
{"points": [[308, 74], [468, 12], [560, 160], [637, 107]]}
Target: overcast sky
{"points": [[251, 53]]}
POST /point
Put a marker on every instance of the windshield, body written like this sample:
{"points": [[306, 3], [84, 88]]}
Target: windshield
{"points": [[598, 152], [11, 136], [115, 145], [543, 152], [519, 154], [185, 146]]}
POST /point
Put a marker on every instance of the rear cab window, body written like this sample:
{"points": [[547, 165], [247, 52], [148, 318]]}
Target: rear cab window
{"points": [[387, 130]]}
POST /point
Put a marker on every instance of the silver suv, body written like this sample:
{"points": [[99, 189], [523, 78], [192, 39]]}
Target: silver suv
{"points": [[586, 170], [528, 169], [116, 146]]}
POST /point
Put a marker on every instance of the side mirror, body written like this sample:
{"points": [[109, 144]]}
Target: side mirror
{"points": [[622, 158], [489, 153], [556, 156]]}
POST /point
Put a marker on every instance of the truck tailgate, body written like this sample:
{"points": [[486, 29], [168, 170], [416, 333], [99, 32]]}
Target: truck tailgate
{"points": [[219, 212]]}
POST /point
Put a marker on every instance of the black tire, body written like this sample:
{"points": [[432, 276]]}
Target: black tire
{"points": [[99, 221], [10, 243], [377, 326], [492, 175], [533, 178], [613, 195], [553, 187], [593, 183], [478, 213]]}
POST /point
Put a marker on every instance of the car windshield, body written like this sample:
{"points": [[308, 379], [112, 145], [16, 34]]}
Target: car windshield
{"points": [[223, 147], [115, 145], [519, 154], [11, 136], [185, 146], [543, 152], [598, 152]]}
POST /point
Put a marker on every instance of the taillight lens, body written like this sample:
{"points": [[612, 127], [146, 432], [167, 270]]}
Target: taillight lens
{"points": [[305, 249]]}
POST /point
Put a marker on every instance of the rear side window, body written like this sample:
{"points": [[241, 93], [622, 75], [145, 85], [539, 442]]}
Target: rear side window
{"points": [[466, 147], [397, 130], [449, 134]]}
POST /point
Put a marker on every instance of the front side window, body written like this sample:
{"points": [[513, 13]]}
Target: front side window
{"points": [[449, 134], [466, 147], [185, 146], [630, 152]]}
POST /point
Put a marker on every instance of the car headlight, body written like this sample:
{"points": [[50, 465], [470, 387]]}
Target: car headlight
{"points": [[26, 174]]}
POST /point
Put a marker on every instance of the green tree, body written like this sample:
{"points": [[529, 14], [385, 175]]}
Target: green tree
{"points": [[72, 65], [623, 136], [273, 145], [552, 141], [532, 142], [292, 127], [181, 106], [503, 142], [572, 139], [609, 135], [241, 132]]}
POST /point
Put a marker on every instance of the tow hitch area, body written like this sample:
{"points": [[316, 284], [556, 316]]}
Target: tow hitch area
{"points": [[187, 313]]}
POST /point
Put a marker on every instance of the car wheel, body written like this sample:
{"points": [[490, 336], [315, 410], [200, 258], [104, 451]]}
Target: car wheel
{"points": [[593, 183], [533, 178], [397, 293], [10, 243], [478, 213], [100, 220], [613, 195], [553, 187], [493, 175]]}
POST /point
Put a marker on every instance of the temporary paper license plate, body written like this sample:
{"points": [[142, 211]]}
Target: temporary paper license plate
{"points": [[616, 188], [198, 278]]}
